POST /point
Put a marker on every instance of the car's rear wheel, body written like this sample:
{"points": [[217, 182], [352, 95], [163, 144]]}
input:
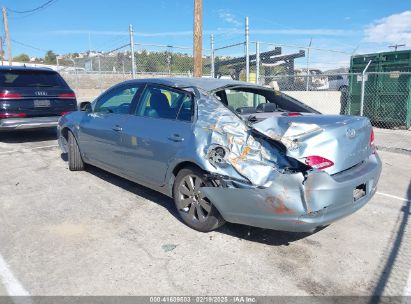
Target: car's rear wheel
{"points": [[74, 157], [194, 208]]}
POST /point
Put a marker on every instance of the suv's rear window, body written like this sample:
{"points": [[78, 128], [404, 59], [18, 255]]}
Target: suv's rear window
{"points": [[30, 79]]}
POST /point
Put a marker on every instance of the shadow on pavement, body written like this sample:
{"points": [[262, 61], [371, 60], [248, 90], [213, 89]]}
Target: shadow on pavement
{"points": [[22, 136], [398, 239], [134, 188], [252, 234], [263, 236]]}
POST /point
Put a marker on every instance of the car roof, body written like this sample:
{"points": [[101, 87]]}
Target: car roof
{"points": [[206, 84], [25, 68]]}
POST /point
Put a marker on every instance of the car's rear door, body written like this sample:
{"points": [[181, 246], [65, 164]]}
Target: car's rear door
{"points": [[100, 132], [158, 131]]}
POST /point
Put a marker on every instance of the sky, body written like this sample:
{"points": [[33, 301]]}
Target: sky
{"points": [[345, 27]]}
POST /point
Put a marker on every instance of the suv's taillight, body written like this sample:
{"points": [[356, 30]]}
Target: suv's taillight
{"points": [[67, 95], [12, 115], [318, 162], [9, 95]]}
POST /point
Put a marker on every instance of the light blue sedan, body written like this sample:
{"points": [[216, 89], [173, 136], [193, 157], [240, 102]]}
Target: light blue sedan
{"points": [[227, 151]]}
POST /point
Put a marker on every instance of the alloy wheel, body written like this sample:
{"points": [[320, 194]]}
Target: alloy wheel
{"points": [[191, 201]]}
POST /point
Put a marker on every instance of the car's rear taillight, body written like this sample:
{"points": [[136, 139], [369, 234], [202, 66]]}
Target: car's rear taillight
{"points": [[372, 143], [318, 162], [10, 95], [293, 114], [67, 95], [65, 113], [12, 115]]}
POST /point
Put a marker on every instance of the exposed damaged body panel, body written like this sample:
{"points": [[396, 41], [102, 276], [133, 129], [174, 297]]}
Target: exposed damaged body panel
{"points": [[267, 161], [344, 139], [295, 203], [282, 192]]}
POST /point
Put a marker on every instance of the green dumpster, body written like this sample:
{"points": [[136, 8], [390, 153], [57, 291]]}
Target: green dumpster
{"points": [[358, 64], [387, 96]]}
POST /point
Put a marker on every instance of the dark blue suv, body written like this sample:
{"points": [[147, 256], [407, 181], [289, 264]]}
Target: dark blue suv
{"points": [[33, 98]]}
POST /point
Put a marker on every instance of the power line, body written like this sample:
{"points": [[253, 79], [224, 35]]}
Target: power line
{"points": [[119, 48], [44, 5], [28, 45]]}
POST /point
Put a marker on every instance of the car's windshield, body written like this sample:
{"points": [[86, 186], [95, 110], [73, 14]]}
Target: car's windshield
{"points": [[30, 79]]}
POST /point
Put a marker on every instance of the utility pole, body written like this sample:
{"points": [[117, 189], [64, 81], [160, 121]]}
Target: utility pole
{"points": [[247, 51], [257, 62], [6, 30], [133, 64], [307, 81], [198, 38], [212, 57], [1, 50], [396, 46]]}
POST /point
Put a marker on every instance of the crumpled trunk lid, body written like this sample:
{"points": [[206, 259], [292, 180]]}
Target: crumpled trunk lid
{"points": [[345, 140]]}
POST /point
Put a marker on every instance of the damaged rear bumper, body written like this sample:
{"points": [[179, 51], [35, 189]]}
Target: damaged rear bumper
{"points": [[294, 202]]}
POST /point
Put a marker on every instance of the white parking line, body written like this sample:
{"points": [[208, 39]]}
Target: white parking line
{"points": [[407, 289], [395, 197], [44, 147], [12, 285], [28, 149], [8, 152]]}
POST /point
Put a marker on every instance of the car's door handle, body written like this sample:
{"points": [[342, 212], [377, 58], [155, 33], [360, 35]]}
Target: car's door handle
{"points": [[176, 138], [117, 128]]}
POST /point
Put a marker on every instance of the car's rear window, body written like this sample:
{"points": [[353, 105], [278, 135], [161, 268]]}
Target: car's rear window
{"points": [[30, 79]]}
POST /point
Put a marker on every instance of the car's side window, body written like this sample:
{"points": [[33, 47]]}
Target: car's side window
{"points": [[160, 102], [117, 101], [186, 111]]}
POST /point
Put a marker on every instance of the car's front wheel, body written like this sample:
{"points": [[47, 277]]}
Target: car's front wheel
{"points": [[74, 157], [194, 208]]}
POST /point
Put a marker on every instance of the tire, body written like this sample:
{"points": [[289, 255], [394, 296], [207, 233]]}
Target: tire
{"points": [[74, 157], [195, 210]]}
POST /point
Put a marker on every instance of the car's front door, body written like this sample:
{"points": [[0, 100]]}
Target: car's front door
{"points": [[153, 137], [100, 130]]}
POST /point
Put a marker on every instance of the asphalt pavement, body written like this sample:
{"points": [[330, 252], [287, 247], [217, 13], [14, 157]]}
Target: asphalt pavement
{"points": [[92, 233]]}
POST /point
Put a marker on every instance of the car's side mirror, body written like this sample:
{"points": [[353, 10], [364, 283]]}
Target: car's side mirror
{"points": [[85, 106]]}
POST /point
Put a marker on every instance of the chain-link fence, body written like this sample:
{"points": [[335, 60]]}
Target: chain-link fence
{"points": [[166, 60], [384, 97], [230, 62], [93, 72]]}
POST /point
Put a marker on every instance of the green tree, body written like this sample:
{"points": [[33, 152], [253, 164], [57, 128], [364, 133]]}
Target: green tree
{"points": [[22, 58], [50, 58]]}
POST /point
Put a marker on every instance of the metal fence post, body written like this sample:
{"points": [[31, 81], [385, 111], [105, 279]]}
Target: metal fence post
{"points": [[99, 73], [363, 88], [133, 66], [257, 62], [212, 57], [308, 66], [247, 51], [75, 73]]}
